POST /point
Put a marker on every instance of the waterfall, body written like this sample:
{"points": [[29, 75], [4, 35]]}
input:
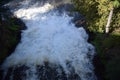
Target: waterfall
{"points": [[51, 48]]}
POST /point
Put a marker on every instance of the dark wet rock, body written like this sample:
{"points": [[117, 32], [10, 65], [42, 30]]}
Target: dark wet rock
{"points": [[64, 8], [43, 72], [78, 19], [10, 32], [76, 16], [80, 23], [2, 2]]}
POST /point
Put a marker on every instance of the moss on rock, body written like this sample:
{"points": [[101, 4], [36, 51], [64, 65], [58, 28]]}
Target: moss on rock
{"points": [[10, 32]]}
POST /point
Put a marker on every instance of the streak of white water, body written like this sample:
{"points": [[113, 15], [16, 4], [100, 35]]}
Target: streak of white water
{"points": [[54, 39]]}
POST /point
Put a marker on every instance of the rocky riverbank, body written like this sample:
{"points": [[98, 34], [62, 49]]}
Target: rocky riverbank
{"points": [[10, 32], [107, 46]]}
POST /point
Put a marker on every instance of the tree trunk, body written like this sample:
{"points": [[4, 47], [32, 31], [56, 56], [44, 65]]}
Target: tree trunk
{"points": [[109, 20]]}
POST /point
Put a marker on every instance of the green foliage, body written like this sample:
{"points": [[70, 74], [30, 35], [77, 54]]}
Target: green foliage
{"points": [[115, 24], [112, 41], [108, 49], [100, 49], [116, 3], [87, 8], [96, 13], [13, 26]]}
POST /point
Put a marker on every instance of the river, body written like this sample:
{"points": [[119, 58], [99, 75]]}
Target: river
{"points": [[51, 48]]}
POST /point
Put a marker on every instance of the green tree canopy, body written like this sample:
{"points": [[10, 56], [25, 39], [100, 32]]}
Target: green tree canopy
{"points": [[96, 13]]}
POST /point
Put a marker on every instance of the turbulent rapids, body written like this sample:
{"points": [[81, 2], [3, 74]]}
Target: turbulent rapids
{"points": [[51, 48]]}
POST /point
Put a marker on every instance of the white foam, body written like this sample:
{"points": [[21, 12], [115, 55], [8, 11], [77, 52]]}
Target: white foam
{"points": [[52, 38]]}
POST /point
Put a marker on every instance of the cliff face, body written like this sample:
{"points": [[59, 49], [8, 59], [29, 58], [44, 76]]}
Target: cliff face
{"points": [[10, 32]]}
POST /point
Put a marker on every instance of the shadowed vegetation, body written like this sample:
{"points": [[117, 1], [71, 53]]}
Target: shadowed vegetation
{"points": [[10, 29], [107, 46]]}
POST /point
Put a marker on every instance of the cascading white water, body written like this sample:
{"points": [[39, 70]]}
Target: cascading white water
{"points": [[54, 39]]}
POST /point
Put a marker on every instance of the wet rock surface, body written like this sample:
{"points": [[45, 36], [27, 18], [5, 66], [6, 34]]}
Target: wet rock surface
{"points": [[42, 72], [10, 32]]}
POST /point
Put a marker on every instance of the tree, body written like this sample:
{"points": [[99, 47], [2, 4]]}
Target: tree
{"points": [[109, 21], [88, 8], [116, 4], [96, 13]]}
